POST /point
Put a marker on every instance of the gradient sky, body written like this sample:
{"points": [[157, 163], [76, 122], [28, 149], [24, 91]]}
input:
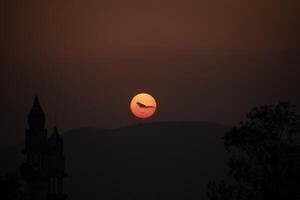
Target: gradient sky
{"points": [[209, 60]]}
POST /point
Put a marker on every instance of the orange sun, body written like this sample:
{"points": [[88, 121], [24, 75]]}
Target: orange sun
{"points": [[143, 105]]}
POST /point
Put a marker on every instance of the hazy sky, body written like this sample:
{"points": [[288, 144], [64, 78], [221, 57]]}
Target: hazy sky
{"points": [[209, 60]]}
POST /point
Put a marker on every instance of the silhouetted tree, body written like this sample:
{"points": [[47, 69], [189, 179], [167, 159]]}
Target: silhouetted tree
{"points": [[10, 188], [264, 162]]}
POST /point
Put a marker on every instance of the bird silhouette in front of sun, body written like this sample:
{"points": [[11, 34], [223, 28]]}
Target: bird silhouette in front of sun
{"points": [[141, 105]]}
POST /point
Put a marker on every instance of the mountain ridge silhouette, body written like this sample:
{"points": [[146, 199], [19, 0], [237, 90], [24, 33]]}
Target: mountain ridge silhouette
{"points": [[172, 159]]}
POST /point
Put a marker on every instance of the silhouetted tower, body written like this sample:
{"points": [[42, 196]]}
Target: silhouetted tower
{"points": [[45, 158], [36, 136], [56, 165]]}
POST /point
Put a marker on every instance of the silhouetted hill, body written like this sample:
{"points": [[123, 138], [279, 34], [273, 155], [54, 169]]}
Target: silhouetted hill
{"points": [[173, 160]]}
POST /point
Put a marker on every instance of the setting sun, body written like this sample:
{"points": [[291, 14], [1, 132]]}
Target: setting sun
{"points": [[143, 105]]}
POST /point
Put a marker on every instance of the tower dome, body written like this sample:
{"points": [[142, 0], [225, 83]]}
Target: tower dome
{"points": [[36, 116], [55, 139]]}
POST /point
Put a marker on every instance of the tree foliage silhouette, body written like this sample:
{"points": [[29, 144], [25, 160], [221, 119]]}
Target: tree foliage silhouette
{"points": [[10, 188], [264, 157]]}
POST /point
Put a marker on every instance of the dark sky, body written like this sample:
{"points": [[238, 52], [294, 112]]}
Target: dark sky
{"points": [[209, 60]]}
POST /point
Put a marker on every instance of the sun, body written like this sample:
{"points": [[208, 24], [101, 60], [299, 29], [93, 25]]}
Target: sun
{"points": [[143, 105]]}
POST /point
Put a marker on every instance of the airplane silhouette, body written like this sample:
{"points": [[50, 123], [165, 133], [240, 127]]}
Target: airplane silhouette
{"points": [[143, 105]]}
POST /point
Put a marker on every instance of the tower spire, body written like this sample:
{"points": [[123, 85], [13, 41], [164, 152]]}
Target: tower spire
{"points": [[36, 101], [36, 116], [55, 135]]}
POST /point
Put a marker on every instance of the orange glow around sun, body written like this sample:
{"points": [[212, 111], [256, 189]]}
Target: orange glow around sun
{"points": [[143, 105]]}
